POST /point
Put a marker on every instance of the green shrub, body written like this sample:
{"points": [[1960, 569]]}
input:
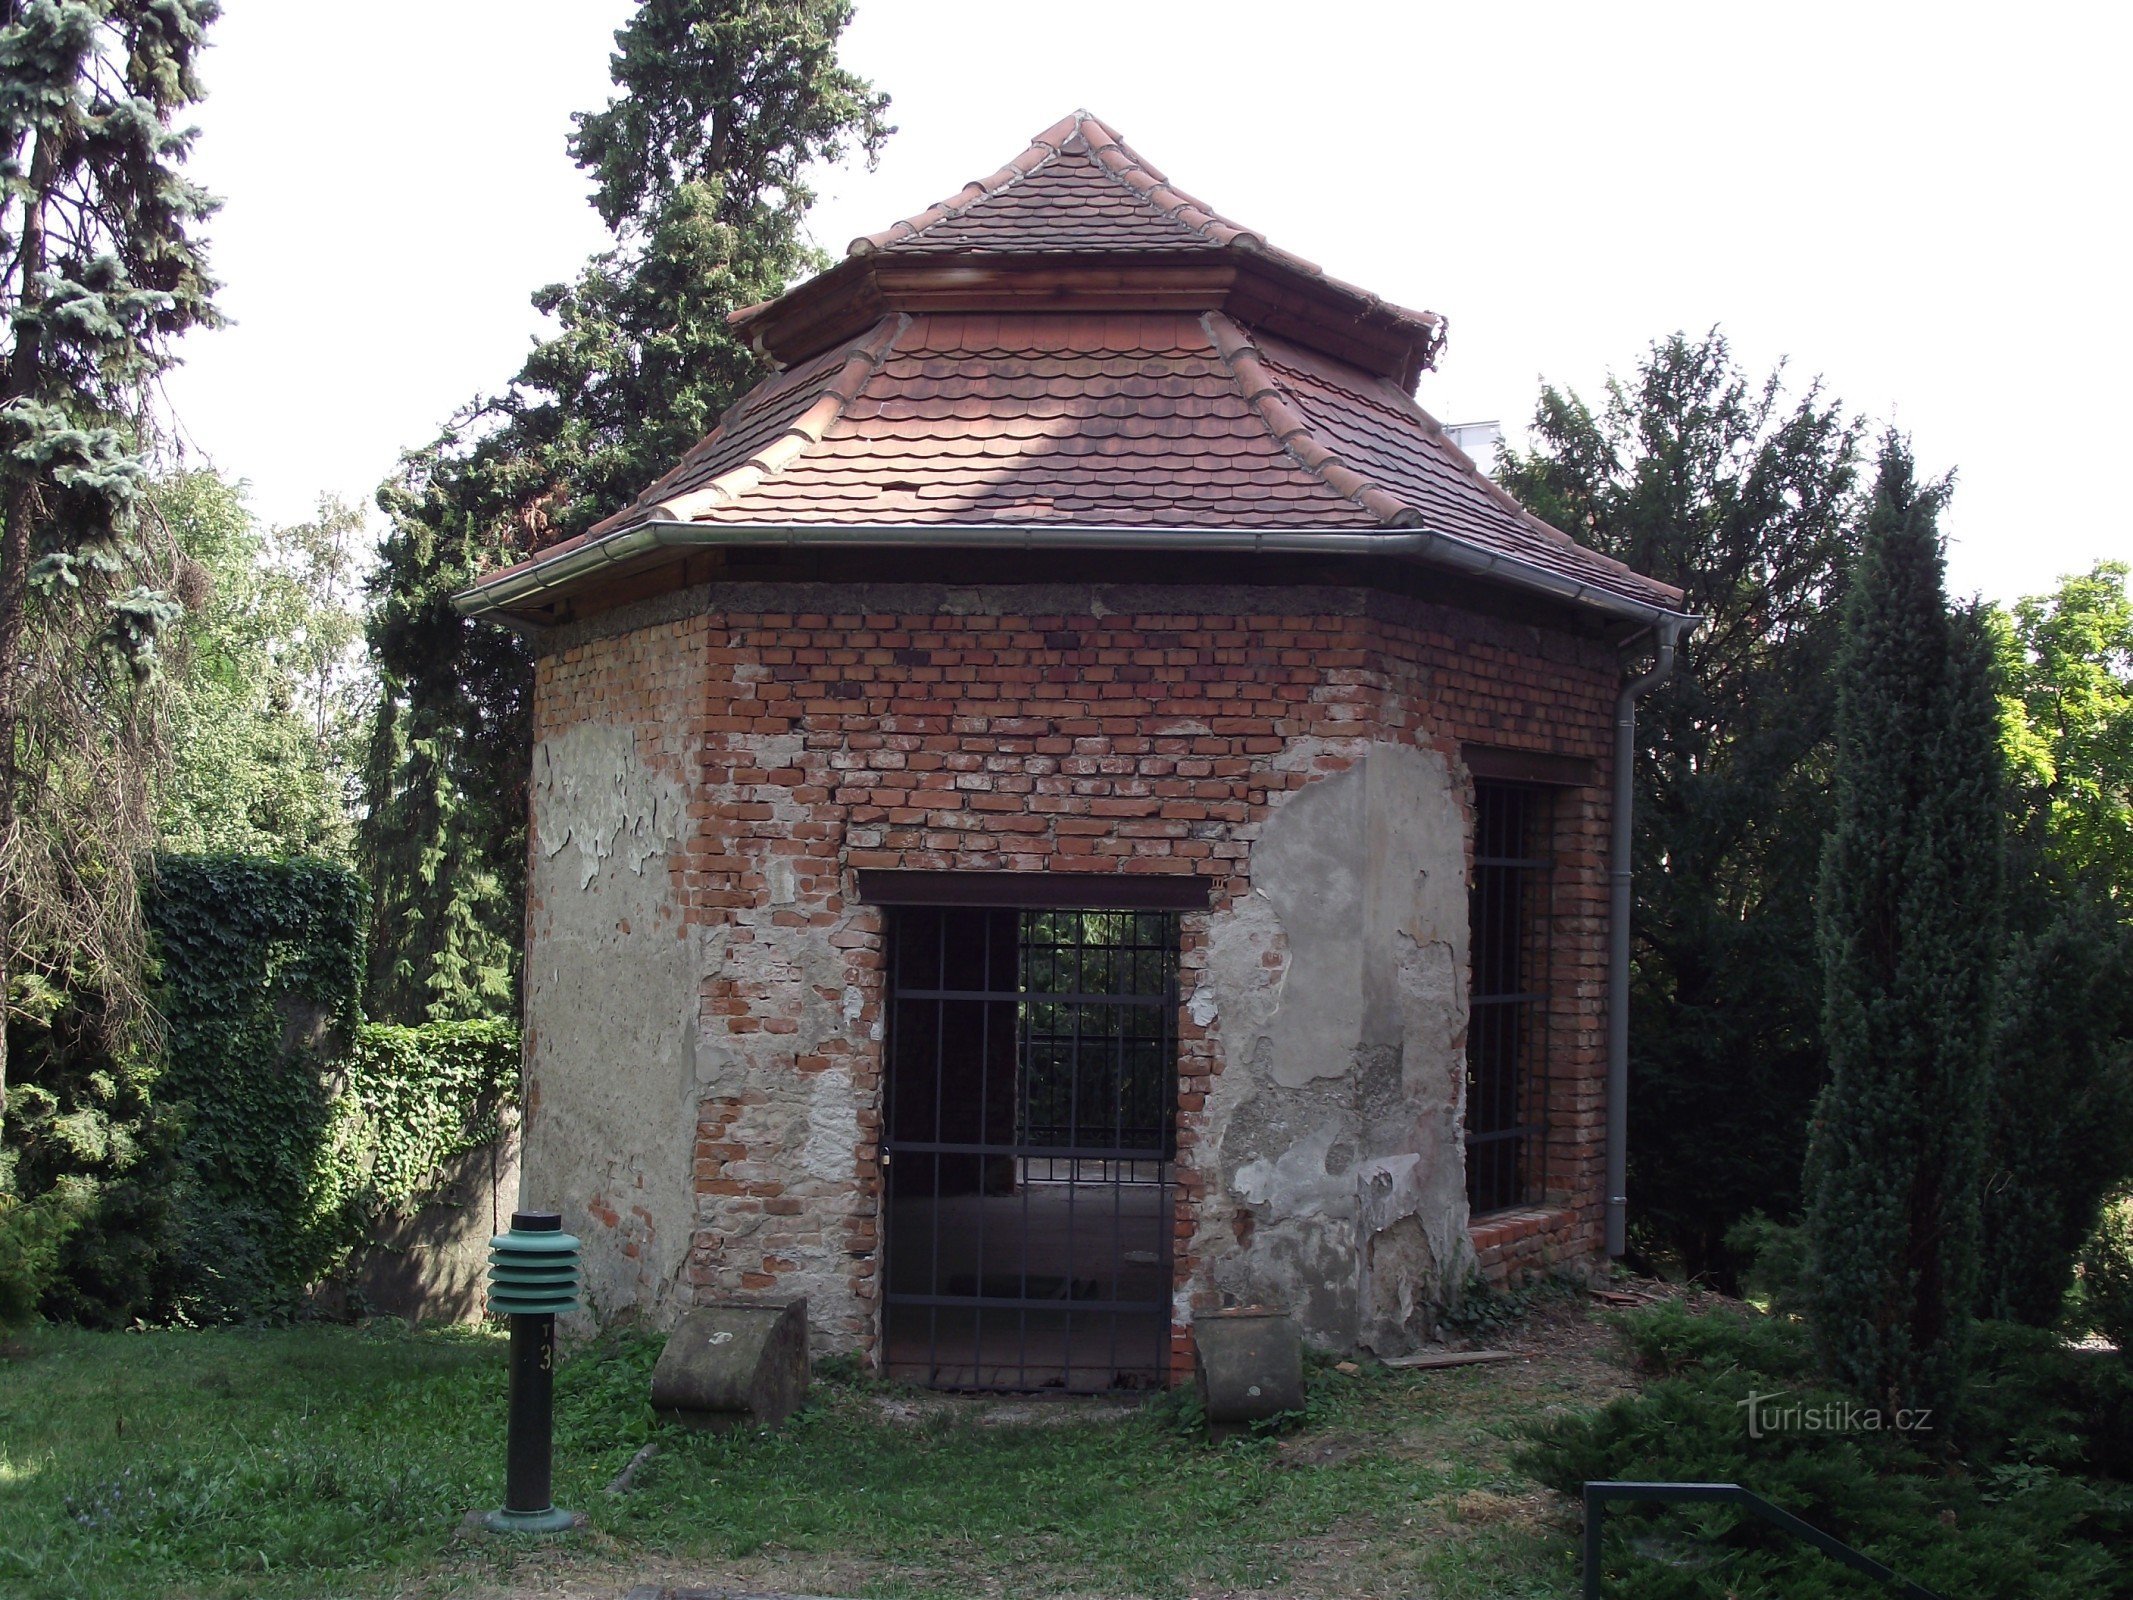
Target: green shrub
{"points": [[2017, 1498], [2107, 1274], [2035, 1401], [1776, 1255], [2062, 1120], [1669, 1339], [117, 1266], [31, 1233], [82, 1120]]}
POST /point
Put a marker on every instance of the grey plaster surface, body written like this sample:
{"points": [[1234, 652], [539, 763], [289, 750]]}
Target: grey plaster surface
{"points": [[611, 1012], [1336, 989]]}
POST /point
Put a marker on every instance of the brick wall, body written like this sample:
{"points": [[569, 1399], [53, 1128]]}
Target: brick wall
{"points": [[1147, 733]]}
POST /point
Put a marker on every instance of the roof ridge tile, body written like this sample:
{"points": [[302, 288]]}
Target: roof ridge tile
{"points": [[1078, 134], [1043, 148], [1050, 201], [1262, 391], [863, 359], [1146, 180]]}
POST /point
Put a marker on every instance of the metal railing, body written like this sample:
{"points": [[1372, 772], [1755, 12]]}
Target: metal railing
{"points": [[1598, 1495]]}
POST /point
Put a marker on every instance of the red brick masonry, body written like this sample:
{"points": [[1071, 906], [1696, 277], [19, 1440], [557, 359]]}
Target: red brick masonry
{"points": [[1063, 730]]}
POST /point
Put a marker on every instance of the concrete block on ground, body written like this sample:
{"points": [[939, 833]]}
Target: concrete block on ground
{"points": [[1248, 1366], [733, 1365]]}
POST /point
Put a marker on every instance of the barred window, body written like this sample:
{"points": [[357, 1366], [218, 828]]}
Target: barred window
{"points": [[1506, 1041]]}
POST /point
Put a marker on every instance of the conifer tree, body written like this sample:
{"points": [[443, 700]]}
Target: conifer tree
{"points": [[2062, 1104], [699, 169], [1747, 496], [101, 270], [1907, 923]]}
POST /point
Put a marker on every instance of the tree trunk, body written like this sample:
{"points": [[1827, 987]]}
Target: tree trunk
{"points": [[19, 508]]}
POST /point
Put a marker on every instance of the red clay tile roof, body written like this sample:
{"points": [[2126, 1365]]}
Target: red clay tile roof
{"points": [[1077, 188], [1376, 429], [1108, 420], [1118, 420], [942, 410]]}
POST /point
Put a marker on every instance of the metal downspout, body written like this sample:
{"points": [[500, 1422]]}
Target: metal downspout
{"points": [[1618, 915]]}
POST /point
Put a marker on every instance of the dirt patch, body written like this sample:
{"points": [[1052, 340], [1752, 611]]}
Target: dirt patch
{"points": [[1324, 1450], [1004, 1411], [1485, 1507], [582, 1576]]}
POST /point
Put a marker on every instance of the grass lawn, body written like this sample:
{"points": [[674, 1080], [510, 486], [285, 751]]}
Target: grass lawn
{"points": [[320, 1461]]}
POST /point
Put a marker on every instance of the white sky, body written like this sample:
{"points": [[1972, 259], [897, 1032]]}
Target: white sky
{"points": [[1926, 205]]}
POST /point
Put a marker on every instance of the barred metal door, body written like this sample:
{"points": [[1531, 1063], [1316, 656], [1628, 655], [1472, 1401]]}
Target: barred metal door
{"points": [[1027, 1140]]}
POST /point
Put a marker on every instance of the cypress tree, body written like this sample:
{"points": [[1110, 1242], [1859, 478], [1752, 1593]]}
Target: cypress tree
{"points": [[1907, 923]]}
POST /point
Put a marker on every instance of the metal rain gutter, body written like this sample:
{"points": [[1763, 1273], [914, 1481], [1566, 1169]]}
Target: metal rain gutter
{"points": [[1618, 914], [518, 585]]}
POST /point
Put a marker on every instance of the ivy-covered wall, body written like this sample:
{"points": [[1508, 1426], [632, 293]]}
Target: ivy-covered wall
{"points": [[301, 1126]]}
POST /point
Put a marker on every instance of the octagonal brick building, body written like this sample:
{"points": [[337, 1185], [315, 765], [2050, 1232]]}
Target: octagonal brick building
{"points": [[1074, 807]]}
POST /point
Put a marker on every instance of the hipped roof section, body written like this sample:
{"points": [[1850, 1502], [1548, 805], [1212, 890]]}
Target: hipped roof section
{"points": [[1075, 343]]}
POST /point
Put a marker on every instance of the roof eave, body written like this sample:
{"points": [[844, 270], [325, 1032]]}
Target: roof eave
{"points": [[499, 596]]}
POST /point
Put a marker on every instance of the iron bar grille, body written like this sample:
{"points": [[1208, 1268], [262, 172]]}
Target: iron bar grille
{"points": [[1507, 1032], [1027, 1147]]}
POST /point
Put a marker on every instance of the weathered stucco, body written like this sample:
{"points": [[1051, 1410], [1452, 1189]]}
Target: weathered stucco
{"points": [[705, 990], [1336, 988], [611, 1016]]}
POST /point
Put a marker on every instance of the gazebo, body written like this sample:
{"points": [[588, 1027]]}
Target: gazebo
{"points": [[1076, 806]]}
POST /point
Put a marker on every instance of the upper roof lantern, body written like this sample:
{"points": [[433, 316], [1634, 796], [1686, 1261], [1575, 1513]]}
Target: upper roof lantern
{"points": [[1079, 221]]}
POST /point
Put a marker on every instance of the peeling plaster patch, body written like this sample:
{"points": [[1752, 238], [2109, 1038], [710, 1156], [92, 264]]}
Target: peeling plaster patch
{"points": [[1402, 1277], [851, 1004], [832, 1128], [592, 794], [611, 1014], [783, 890], [1296, 1182], [1307, 863], [1336, 991]]}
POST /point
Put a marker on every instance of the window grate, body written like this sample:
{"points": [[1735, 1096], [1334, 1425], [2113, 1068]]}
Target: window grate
{"points": [[1507, 1033]]}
